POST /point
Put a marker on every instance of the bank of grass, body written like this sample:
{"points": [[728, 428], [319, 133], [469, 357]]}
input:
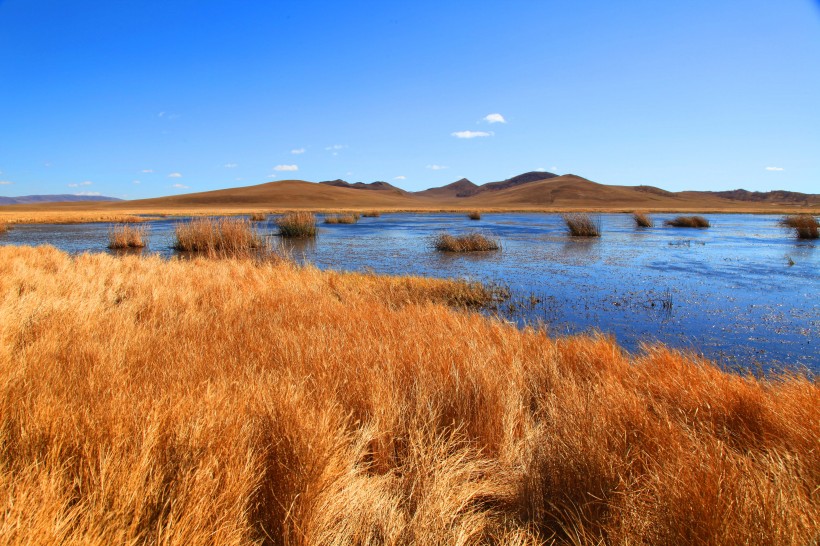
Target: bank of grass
{"points": [[688, 222], [474, 215], [805, 226], [124, 236], [297, 224], [235, 402], [581, 224], [344, 218], [642, 219], [470, 242], [219, 237], [226, 402]]}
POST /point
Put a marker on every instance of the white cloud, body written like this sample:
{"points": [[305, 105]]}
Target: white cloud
{"points": [[175, 175], [472, 134], [6, 182], [494, 118], [86, 183], [400, 177], [436, 167], [274, 175], [136, 182], [336, 147], [286, 168], [180, 186], [297, 151], [88, 193], [774, 168], [148, 170], [540, 170], [231, 165]]}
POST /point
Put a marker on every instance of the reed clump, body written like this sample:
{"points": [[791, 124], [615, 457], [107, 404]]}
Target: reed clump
{"points": [[688, 222], [346, 218], [124, 236], [581, 224], [4, 227], [258, 217], [474, 215], [805, 225], [471, 242], [371, 214], [297, 224], [219, 237], [202, 402], [642, 219]]}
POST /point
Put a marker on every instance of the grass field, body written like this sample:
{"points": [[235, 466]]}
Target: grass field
{"points": [[236, 402]]}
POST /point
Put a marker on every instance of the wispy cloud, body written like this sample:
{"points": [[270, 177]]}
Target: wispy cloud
{"points": [[400, 177], [136, 182], [175, 175], [180, 186], [274, 175], [6, 182], [88, 193], [231, 165], [147, 170], [472, 134], [297, 151], [286, 168], [774, 168], [436, 167], [86, 183], [494, 118], [336, 147]]}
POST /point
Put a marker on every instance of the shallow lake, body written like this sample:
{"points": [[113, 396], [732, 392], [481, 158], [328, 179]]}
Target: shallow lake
{"points": [[744, 292]]}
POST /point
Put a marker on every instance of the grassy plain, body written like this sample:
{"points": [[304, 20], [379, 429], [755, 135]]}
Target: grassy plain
{"points": [[237, 402]]}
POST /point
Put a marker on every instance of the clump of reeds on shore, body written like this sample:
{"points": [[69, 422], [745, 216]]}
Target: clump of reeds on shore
{"points": [[642, 219], [474, 215], [581, 224], [371, 214], [258, 217], [4, 227], [688, 222], [471, 242], [219, 237], [345, 218], [805, 225], [297, 224], [123, 236]]}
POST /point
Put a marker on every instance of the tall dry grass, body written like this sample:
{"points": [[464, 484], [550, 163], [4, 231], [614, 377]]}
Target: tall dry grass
{"points": [[371, 214], [123, 236], [805, 225], [642, 219], [234, 402], [688, 222], [345, 218], [297, 224], [4, 227], [220, 237], [258, 217], [470, 242], [581, 224]]}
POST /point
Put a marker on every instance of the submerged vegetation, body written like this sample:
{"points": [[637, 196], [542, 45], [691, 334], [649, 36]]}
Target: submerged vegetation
{"points": [[805, 225], [688, 222], [297, 224], [344, 218], [124, 236], [234, 402], [471, 242], [581, 224], [642, 219], [222, 237]]}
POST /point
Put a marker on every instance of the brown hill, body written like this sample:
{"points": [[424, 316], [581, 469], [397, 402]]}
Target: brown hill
{"points": [[459, 188], [377, 186]]}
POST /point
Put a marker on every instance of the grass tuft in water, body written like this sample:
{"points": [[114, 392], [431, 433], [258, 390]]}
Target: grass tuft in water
{"points": [[347, 218], [805, 225], [471, 242], [642, 219], [688, 222], [124, 236], [474, 215], [297, 225], [220, 237], [581, 224], [258, 217]]}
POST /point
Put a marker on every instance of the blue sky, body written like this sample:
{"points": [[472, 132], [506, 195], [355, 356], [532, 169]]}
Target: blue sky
{"points": [[140, 99]]}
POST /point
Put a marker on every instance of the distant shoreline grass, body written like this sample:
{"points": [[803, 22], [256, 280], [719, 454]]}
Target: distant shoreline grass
{"points": [[234, 402]]}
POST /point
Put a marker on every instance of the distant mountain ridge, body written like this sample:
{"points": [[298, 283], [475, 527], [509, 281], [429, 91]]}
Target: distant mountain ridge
{"points": [[377, 186], [466, 188], [57, 198]]}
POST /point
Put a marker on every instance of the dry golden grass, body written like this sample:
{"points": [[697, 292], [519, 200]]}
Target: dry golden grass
{"points": [[258, 217], [805, 225], [348, 218], [642, 219], [471, 242], [126, 236], [4, 227], [234, 402], [688, 222], [474, 215], [220, 237], [371, 214], [297, 224], [581, 224]]}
